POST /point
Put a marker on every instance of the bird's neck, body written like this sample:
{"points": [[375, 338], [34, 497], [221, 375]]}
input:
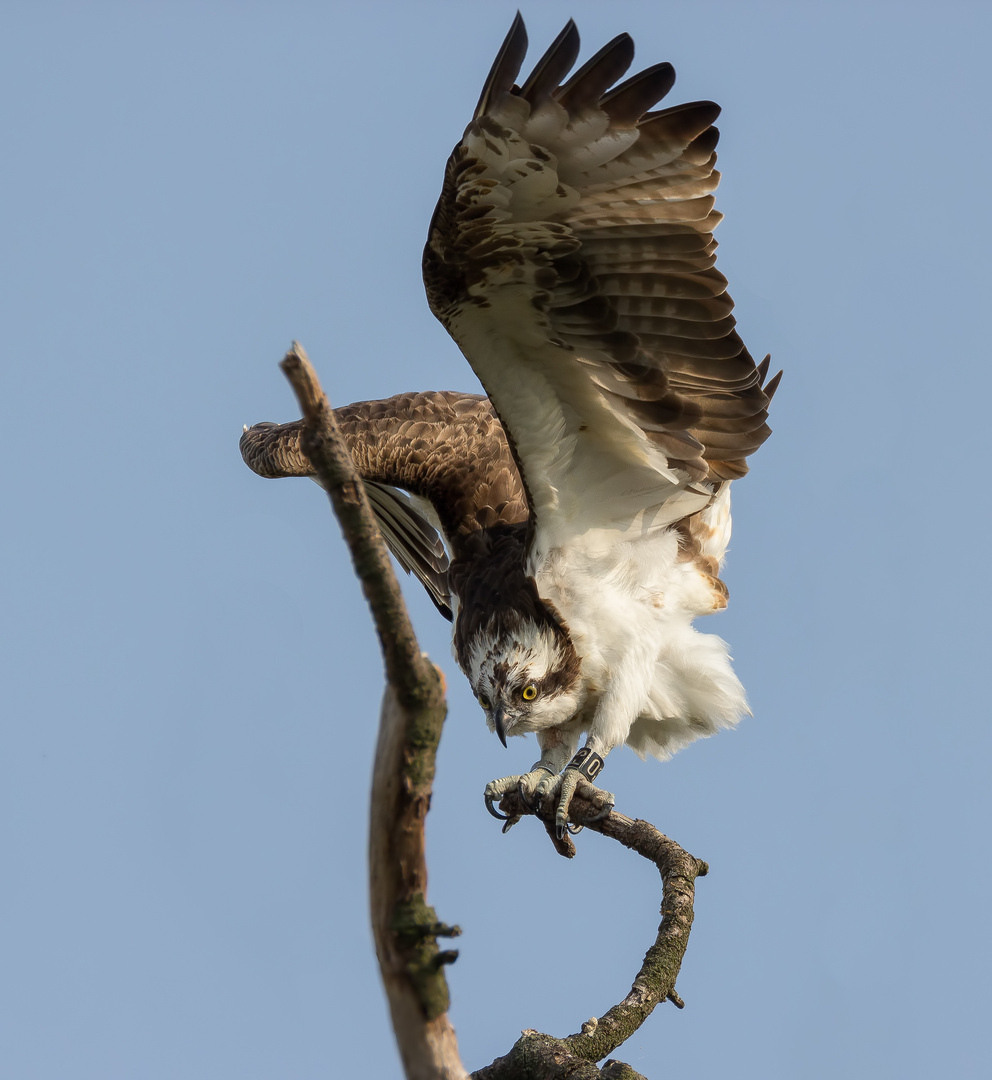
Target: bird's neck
{"points": [[495, 594]]}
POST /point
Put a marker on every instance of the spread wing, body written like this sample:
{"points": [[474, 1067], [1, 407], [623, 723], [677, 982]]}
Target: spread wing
{"points": [[571, 258], [446, 449]]}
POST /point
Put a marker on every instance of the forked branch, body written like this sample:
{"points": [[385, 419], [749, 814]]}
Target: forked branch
{"points": [[404, 926]]}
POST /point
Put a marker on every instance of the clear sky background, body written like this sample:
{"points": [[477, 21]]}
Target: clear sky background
{"points": [[190, 680]]}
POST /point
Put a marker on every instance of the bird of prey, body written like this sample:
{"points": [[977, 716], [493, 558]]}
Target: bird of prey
{"points": [[584, 502]]}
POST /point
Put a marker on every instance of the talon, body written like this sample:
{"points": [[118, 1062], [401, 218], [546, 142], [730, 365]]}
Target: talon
{"points": [[606, 811], [569, 782], [532, 787], [532, 797], [576, 829]]}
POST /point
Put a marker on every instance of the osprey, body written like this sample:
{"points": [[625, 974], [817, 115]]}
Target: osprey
{"points": [[585, 501]]}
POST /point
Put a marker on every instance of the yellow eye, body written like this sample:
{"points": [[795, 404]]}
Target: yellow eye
{"points": [[485, 702], [529, 692]]}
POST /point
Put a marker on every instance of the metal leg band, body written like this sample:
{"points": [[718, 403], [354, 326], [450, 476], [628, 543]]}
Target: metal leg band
{"points": [[587, 763]]}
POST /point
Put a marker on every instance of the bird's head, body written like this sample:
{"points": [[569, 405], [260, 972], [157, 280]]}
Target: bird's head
{"points": [[526, 677]]}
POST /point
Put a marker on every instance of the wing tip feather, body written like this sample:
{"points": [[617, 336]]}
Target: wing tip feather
{"points": [[773, 384], [506, 66], [553, 66]]}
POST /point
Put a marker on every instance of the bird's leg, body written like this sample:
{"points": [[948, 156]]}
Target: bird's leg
{"points": [[586, 765], [610, 724]]}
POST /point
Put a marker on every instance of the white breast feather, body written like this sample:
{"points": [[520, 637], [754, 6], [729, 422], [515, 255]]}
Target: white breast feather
{"points": [[654, 682]]}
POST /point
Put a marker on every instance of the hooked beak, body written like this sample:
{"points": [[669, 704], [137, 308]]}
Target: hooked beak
{"points": [[498, 723]]}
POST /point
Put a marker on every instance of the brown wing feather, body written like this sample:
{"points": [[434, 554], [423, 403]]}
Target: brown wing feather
{"points": [[413, 541], [446, 447], [601, 212]]}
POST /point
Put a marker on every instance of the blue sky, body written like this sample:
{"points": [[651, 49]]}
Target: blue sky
{"points": [[191, 682]]}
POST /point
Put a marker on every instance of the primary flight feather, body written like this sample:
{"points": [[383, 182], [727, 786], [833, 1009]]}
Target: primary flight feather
{"points": [[584, 504]]}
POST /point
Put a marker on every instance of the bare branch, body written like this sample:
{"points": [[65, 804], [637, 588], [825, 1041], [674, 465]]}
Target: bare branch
{"points": [[655, 982], [322, 443], [404, 926]]}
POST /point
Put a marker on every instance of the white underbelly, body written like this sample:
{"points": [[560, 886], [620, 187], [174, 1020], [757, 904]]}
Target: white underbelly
{"points": [[652, 680]]}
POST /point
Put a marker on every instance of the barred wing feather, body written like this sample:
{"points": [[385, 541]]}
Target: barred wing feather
{"points": [[571, 257]]}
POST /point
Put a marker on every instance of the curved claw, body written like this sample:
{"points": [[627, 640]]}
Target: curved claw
{"points": [[522, 792], [605, 812], [568, 784], [492, 810]]}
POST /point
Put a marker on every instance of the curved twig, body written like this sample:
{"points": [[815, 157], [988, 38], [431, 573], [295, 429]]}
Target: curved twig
{"points": [[655, 982]]}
